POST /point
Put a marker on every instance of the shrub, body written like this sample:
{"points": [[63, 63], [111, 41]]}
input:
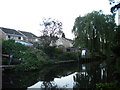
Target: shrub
{"points": [[11, 48], [29, 61], [106, 85], [33, 60]]}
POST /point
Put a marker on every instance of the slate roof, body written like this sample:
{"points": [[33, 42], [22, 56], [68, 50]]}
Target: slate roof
{"points": [[28, 34], [10, 31]]}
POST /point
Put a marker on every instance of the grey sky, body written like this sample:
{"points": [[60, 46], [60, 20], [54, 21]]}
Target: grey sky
{"points": [[26, 15]]}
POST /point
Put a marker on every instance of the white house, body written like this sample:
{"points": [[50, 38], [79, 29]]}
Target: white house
{"points": [[67, 43], [21, 36], [6, 33]]}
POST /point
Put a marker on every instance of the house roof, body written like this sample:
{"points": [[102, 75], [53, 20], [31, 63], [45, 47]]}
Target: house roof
{"points": [[28, 34], [63, 41], [10, 31], [69, 39], [24, 43]]}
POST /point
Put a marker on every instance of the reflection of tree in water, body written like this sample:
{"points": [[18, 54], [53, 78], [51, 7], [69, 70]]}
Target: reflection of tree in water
{"points": [[18, 79], [81, 80], [50, 73], [89, 77], [86, 77], [48, 85], [51, 85]]}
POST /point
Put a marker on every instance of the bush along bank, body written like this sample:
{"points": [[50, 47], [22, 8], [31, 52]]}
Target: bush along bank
{"points": [[32, 58], [35, 59], [29, 58]]}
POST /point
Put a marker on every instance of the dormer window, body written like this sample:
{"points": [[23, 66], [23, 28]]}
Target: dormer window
{"points": [[19, 38]]}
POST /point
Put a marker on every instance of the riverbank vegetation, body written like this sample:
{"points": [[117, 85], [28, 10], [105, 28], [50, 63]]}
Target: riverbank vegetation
{"points": [[33, 58]]}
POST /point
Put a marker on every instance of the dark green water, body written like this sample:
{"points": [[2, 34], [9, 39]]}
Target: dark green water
{"points": [[60, 76]]}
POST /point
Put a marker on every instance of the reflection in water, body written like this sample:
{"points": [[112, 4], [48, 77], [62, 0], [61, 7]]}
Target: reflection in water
{"points": [[90, 75], [60, 76], [103, 70], [63, 82], [83, 67]]}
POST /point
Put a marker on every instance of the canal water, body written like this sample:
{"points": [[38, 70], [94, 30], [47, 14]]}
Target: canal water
{"points": [[60, 76]]}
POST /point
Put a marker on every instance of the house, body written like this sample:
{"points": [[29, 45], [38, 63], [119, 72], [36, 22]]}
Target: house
{"points": [[46, 40], [22, 37], [6, 33], [29, 37], [63, 43]]}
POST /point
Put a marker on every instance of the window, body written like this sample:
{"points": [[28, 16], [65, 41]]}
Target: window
{"points": [[36, 39], [68, 49], [9, 36], [19, 37]]}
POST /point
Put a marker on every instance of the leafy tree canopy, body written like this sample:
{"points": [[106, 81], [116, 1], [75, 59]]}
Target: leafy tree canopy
{"points": [[116, 5], [94, 31], [51, 27]]}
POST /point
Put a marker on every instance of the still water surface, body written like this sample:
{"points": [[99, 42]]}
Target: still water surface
{"points": [[60, 76]]}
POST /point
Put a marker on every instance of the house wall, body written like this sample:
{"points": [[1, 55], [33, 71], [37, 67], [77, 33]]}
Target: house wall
{"points": [[118, 16], [32, 40], [64, 42], [2, 35], [14, 37], [59, 42]]}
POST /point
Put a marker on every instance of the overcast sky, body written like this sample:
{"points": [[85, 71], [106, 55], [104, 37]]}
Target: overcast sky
{"points": [[26, 15]]}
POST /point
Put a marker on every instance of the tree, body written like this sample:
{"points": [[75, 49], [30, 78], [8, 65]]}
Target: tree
{"points": [[63, 35], [94, 31], [51, 27], [10, 47], [117, 36], [115, 7], [116, 47]]}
